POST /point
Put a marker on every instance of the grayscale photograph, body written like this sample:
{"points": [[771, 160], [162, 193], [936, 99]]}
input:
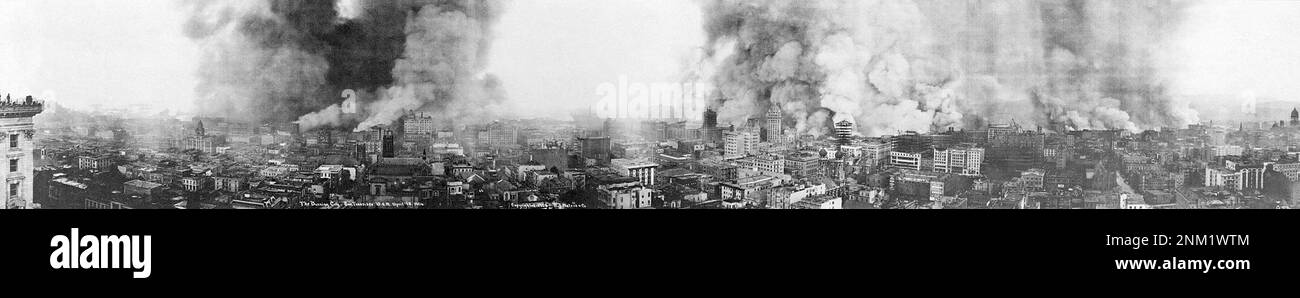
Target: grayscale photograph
{"points": [[650, 104]]}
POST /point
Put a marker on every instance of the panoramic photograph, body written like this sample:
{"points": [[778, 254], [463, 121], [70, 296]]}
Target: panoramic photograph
{"points": [[560, 104], [308, 142]]}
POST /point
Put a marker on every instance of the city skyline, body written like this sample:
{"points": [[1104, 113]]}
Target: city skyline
{"points": [[716, 104]]}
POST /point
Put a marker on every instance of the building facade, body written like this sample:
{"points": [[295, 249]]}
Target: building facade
{"points": [[963, 160], [19, 132], [740, 144]]}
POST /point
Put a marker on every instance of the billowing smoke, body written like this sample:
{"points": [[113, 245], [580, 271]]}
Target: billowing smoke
{"points": [[284, 60], [442, 68], [920, 65]]}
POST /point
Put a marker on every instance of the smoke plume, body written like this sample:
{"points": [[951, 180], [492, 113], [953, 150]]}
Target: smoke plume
{"points": [[919, 65], [285, 60]]}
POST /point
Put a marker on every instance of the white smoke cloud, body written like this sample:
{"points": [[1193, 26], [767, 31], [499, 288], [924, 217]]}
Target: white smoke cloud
{"points": [[892, 66], [442, 69]]}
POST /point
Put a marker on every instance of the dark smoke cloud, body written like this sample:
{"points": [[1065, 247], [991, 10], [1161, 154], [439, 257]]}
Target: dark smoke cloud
{"points": [[281, 60], [899, 65]]}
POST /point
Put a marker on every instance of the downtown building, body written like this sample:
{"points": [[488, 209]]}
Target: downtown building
{"points": [[964, 159], [740, 144], [773, 131], [643, 171], [19, 132]]}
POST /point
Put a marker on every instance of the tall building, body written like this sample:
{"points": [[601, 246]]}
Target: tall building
{"points": [[913, 142], [772, 125], [499, 134], [418, 124], [709, 131], [964, 159], [1017, 151], [389, 144], [740, 143], [19, 131], [597, 149], [877, 151], [710, 118], [201, 141], [844, 132]]}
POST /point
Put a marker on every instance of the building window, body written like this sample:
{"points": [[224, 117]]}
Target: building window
{"points": [[13, 165], [13, 140], [13, 188]]}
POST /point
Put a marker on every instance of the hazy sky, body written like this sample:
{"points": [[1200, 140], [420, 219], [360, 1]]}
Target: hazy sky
{"points": [[85, 52], [551, 54], [1232, 47]]}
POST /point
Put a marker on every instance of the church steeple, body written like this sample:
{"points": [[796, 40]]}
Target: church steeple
{"points": [[199, 131]]}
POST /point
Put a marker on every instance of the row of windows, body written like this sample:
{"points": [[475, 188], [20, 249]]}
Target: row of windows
{"points": [[13, 166]]}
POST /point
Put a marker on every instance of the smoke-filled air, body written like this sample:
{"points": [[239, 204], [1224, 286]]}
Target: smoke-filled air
{"points": [[287, 60], [891, 66]]}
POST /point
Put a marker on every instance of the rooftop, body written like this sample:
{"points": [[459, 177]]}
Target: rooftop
{"points": [[143, 184]]}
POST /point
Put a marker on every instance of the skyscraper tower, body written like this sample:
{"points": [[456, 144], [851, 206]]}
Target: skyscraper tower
{"points": [[709, 132], [773, 125], [19, 131], [844, 132], [389, 145], [710, 118]]}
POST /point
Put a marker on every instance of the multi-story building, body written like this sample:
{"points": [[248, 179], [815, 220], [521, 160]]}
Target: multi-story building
{"points": [[229, 183], [732, 192], [499, 135], [1238, 179], [920, 184], [1018, 151], [643, 170], [419, 123], [1227, 150], [906, 161], [740, 144], [773, 130], [200, 141], [98, 163], [912, 142], [596, 148], [624, 193], [766, 164], [964, 159], [195, 184], [804, 165], [876, 151], [844, 132], [785, 197], [18, 131], [996, 130], [1033, 179]]}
